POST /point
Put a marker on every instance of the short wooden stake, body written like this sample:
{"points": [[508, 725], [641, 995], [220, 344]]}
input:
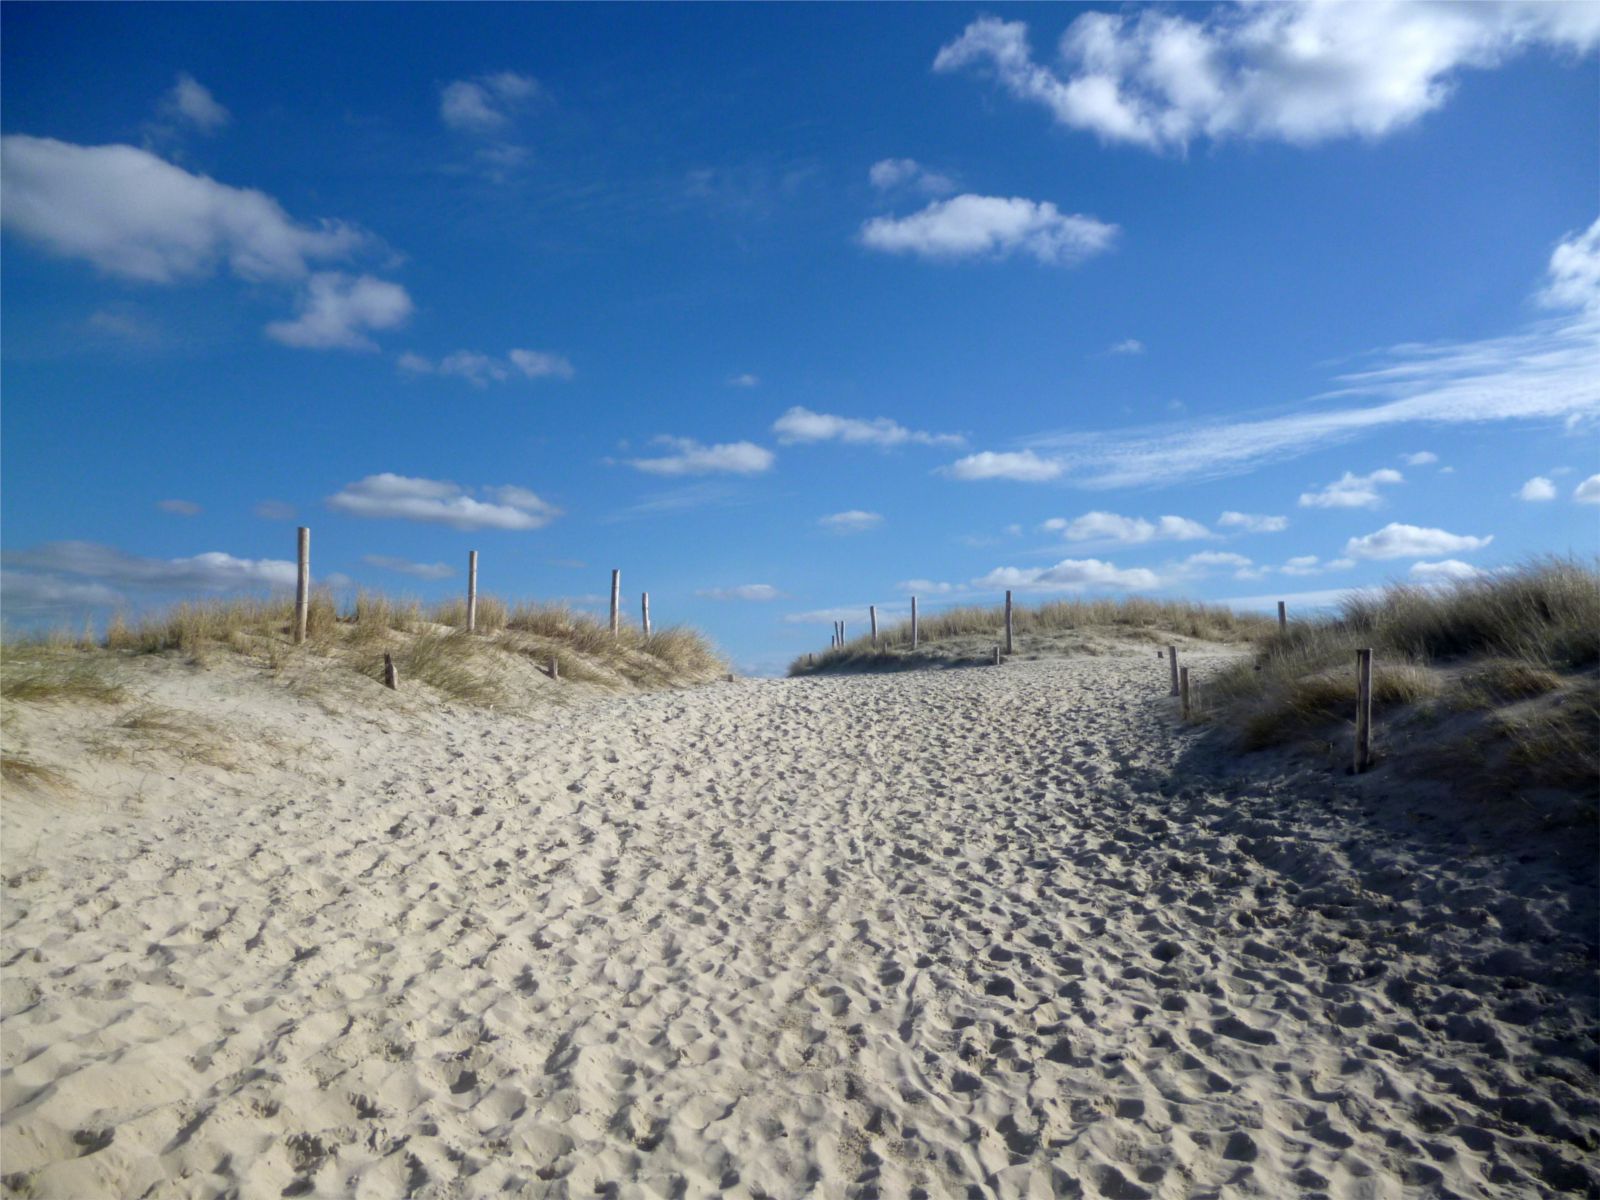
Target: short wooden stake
{"points": [[730, 676], [302, 587], [1363, 710], [872, 615], [913, 622], [391, 673], [616, 602], [997, 656], [1172, 661], [1183, 684], [555, 667], [1283, 617], [644, 611], [472, 591], [1008, 620]]}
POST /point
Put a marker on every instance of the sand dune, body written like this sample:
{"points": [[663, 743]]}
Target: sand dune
{"points": [[937, 934]]}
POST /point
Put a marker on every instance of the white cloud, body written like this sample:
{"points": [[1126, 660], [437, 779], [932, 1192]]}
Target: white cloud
{"points": [[1299, 71], [1352, 491], [689, 457], [802, 425], [1447, 571], [192, 103], [1069, 575], [274, 510], [1024, 466], [484, 105], [337, 309], [1127, 346], [926, 587], [1216, 558], [854, 521], [1588, 492], [890, 173], [212, 571], [179, 508], [1420, 459], [1411, 541], [1106, 526], [480, 370], [1574, 272], [1253, 522], [541, 364], [744, 380], [843, 612], [1537, 488], [971, 226], [137, 216], [26, 592], [1303, 564], [437, 502], [405, 566], [744, 591], [1203, 563]]}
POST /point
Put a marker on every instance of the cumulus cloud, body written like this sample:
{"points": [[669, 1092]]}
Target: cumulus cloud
{"points": [[1411, 541], [211, 571], [192, 103], [1299, 71], [1253, 522], [971, 226], [1126, 346], [1352, 491], [1573, 277], [1420, 459], [689, 457], [1024, 466], [337, 309], [744, 591], [1302, 564], [1069, 575], [179, 508], [484, 104], [404, 566], [1537, 488], [440, 503], [1446, 571], [853, 521], [1106, 526], [890, 173], [802, 425], [1588, 492]]}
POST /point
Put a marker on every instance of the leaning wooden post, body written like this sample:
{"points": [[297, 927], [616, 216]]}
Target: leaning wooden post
{"points": [[913, 622], [644, 611], [472, 591], [872, 615], [616, 601], [1283, 617], [391, 673], [1183, 684], [1172, 661], [302, 587], [1008, 620], [1363, 710]]}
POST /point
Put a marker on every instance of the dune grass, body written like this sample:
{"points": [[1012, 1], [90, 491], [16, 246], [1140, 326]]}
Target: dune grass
{"points": [[45, 674], [17, 771]]}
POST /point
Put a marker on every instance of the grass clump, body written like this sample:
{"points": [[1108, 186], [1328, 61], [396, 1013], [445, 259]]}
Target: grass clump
{"points": [[16, 771], [52, 678]]}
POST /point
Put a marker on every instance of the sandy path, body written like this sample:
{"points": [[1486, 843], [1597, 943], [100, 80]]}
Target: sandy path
{"points": [[943, 934]]}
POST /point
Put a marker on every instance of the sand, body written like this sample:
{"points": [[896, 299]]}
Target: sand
{"points": [[990, 932]]}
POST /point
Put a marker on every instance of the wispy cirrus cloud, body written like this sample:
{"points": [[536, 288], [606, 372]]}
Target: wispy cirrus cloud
{"points": [[432, 501], [801, 425]]}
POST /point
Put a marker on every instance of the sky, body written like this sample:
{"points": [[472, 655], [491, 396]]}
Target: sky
{"points": [[788, 310]]}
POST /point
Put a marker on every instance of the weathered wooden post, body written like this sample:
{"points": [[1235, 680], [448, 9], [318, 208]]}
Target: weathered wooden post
{"points": [[555, 667], [1183, 684], [843, 635], [1172, 661], [1363, 710], [997, 655], [391, 673], [616, 601], [1008, 620], [872, 615], [1283, 617], [644, 611], [302, 587], [472, 591], [913, 622]]}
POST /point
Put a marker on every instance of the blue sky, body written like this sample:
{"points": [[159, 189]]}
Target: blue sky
{"points": [[788, 310]]}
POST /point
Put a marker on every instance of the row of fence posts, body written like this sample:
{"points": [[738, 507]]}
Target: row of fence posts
{"points": [[1362, 754], [839, 629]]}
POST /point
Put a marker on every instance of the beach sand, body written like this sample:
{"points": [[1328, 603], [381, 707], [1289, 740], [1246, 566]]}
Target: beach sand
{"points": [[1003, 932]]}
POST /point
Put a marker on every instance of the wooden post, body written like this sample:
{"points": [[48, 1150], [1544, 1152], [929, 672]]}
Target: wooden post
{"points": [[1363, 710], [555, 667], [1008, 620], [872, 615], [997, 655], [472, 591], [391, 673], [616, 600], [843, 636], [1183, 684], [644, 611], [302, 587], [1172, 661], [913, 622], [1283, 617]]}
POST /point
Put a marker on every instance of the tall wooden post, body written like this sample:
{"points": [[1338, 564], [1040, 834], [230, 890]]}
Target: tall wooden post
{"points": [[842, 635], [302, 587], [616, 601], [644, 611], [913, 622], [1183, 684], [472, 591], [1008, 621], [1172, 661], [1283, 617], [872, 615], [1363, 710]]}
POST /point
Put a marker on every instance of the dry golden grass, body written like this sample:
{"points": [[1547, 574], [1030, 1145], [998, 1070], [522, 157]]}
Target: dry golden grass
{"points": [[16, 771], [54, 677]]}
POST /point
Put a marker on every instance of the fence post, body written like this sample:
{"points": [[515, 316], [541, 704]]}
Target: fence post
{"points": [[997, 655], [616, 600], [913, 622], [555, 667], [872, 615], [302, 587], [1183, 684], [1283, 617], [472, 591], [843, 635], [1172, 661], [1363, 710], [1008, 621], [391, 673], [644, 611]]}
